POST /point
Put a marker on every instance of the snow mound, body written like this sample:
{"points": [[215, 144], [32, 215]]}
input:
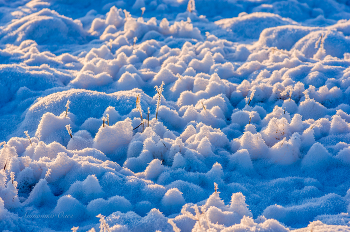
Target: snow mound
{"points": [[250, 26], [46, 27]]}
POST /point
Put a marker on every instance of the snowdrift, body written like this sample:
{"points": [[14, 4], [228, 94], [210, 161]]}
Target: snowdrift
{"points": [[163, 116]]}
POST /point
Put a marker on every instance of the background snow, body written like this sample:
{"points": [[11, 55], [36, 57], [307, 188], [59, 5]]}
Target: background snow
{"points": [[256, 102]]}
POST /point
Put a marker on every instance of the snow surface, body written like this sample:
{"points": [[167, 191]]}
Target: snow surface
{"points": [[248, 128]]}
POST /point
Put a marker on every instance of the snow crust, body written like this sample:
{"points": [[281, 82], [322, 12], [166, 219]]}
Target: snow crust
{"points": [[156, 115]]}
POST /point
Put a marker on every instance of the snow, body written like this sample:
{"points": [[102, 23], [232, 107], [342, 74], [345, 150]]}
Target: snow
{"points": [[174, 115]]}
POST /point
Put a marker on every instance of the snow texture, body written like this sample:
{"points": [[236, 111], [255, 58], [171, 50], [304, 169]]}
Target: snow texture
{"points": [[174, 115]]}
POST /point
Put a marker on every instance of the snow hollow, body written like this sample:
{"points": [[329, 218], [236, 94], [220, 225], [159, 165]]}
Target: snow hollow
{"points": [[174, 115]]}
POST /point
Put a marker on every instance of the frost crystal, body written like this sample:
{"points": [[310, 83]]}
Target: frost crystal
{"points": [[191, 6]]}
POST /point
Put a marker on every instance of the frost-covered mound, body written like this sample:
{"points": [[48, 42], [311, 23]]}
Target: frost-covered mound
{"points": [[174, 115], [44, 27], [249, 26]]}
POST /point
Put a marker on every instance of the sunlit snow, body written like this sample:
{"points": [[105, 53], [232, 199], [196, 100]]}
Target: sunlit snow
{"points": [[174, 115]]}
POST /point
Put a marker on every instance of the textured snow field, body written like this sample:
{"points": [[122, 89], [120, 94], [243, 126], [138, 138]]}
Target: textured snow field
{"points": [[248, 128]]}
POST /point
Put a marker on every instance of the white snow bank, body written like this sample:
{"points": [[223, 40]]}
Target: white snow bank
{"points": [[110, 139], [44, 27], [250, 26]]}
